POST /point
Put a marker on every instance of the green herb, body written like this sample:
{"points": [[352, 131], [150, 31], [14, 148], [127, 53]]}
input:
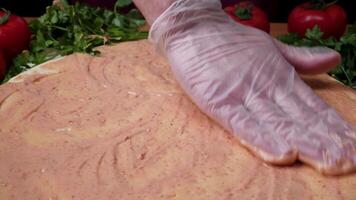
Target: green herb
{"points": [[122, 3], [346, 46], [65, 29]]}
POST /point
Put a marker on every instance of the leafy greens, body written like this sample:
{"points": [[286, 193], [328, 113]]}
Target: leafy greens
{"points": [[346, 46], [65, 29]]}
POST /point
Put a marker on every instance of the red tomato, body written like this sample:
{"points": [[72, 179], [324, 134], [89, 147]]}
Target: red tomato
{"points": [[331, 19], [14, 35], [2, 66], [250, 15]]}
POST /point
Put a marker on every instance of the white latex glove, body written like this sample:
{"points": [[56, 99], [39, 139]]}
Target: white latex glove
{"points": [[246, 81]]}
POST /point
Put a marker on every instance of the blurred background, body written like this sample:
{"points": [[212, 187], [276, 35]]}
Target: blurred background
{"points": [[277, 9]]}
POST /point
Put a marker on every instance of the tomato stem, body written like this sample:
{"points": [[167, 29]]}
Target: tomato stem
{"points": [[5, 18], [244, 12], [331, 3], [319, 4]]}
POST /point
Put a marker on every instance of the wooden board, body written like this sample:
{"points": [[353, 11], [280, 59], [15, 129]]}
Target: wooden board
{"points": [[119, 127]]}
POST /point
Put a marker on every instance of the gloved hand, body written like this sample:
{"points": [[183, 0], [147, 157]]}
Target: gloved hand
{"points": [[246, 81]]}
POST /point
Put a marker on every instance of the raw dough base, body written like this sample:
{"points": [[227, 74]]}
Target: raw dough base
{"points": [[119, 127]]}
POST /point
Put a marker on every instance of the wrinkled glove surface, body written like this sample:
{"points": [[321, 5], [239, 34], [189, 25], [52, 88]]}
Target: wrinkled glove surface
{"points": [[247, 82]]}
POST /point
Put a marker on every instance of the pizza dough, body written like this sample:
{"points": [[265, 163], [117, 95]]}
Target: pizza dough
{"points": [[119, 127]]}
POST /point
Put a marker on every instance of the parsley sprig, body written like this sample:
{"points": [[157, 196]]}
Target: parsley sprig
{"points": [[65, 29], [346, 46]]}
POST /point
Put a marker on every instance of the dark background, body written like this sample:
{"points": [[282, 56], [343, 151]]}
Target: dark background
{"points": [[277, 9]]}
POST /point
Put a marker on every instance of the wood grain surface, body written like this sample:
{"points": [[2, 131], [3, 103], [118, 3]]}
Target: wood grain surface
{"points": [[119, 127]]}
